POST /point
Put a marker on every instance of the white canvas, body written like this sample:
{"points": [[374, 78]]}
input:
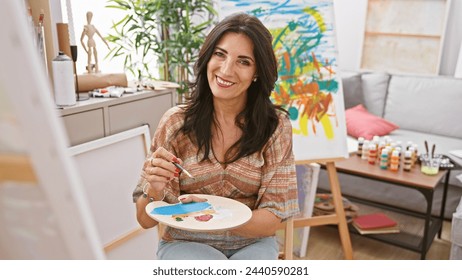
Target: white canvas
{"points": [[48, 217]]}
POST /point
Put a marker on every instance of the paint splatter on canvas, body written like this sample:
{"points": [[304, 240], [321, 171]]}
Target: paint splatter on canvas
{"points": [[308, 86]]}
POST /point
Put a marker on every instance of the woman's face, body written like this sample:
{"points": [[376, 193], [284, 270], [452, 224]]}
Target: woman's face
{"points": [[232, 67]]}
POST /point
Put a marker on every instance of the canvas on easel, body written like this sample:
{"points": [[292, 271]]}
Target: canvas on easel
{"points": [[308, 86], [44, 213]]}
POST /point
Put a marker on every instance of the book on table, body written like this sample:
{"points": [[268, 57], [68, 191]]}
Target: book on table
{"points": [[376, 223]]}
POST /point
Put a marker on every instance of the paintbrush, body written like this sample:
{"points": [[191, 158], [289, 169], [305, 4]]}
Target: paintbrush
{"points": [[184, 170], [433, 150], [426, 146]]}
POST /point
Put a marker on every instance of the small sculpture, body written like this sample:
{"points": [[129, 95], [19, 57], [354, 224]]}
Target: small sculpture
{"points": [[90, 48]]}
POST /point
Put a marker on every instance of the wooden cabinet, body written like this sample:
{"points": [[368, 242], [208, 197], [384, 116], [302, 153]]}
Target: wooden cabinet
{"points": [[78, 128], [136, 113], [99, 117]]}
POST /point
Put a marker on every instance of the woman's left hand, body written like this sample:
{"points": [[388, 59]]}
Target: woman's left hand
{"points": [[188, 198]]}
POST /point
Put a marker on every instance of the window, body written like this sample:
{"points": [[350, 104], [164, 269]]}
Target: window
{"points": [[102, 19]]}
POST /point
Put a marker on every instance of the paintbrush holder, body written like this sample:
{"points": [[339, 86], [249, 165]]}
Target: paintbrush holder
{"points": [[430, 165]]}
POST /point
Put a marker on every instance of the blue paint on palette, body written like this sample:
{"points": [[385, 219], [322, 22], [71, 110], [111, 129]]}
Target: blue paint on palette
{"points": [[178, 209]]}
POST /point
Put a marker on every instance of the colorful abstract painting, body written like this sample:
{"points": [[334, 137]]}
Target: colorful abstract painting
{"points": [[308, 86]]}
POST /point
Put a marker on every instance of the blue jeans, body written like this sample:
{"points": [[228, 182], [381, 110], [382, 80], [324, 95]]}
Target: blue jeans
{"points": [[264, 249]]}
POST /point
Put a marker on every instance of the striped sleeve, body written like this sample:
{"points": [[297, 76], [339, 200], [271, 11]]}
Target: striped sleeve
{"points": [[278, 192]]}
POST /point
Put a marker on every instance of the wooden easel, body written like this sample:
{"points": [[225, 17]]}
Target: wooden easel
{"points": [[333, 219]]}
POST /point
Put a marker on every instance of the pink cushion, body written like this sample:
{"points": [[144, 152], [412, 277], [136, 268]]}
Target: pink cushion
{"points": [[361, 123]]}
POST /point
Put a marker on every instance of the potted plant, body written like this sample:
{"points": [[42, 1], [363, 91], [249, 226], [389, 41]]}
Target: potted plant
{"points": [[168, 32]]}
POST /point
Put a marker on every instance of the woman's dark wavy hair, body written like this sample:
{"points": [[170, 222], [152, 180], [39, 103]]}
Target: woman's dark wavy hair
{"points": [[258, 120]]}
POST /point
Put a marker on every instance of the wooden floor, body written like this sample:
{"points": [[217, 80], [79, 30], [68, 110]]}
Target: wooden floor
{"points": [[324, 244]]}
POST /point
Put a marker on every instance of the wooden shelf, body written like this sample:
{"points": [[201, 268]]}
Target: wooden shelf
{"points": [[100, 117]]}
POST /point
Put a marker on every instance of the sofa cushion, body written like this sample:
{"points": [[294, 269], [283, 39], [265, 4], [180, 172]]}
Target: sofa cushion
{"points": [[412, 99], [374, 86], [361, 123], [352, 89]]}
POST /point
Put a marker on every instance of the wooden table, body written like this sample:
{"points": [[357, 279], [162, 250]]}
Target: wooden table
{"points": [[414, 179]]}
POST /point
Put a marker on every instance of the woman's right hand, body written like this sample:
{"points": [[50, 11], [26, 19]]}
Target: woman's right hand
{"points": [[158, 169]]}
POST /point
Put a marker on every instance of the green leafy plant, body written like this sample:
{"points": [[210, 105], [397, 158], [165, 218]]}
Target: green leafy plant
{"points": [[167, 31]]}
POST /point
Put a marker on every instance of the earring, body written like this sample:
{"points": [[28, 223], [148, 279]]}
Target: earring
{"points": [[254, 79]]}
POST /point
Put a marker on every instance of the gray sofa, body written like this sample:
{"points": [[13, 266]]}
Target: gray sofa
{"points": [[456, 234], [425, 108]]}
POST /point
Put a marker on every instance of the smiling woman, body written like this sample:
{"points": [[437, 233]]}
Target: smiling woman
{"points": [[230, 72], [234, 141], [232, 68]]}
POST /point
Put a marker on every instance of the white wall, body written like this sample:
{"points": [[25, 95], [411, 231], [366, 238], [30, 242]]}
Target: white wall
{"points": [[350, 16], [453, 39], [350, 19], [458, 72], [103, 19]]}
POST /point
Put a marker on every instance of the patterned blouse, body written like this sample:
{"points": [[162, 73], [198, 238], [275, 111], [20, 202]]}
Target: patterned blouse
{"points": [[264, 179]]}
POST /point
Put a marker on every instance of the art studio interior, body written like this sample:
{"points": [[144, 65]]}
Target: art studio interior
{"points": [[372, 88]]}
